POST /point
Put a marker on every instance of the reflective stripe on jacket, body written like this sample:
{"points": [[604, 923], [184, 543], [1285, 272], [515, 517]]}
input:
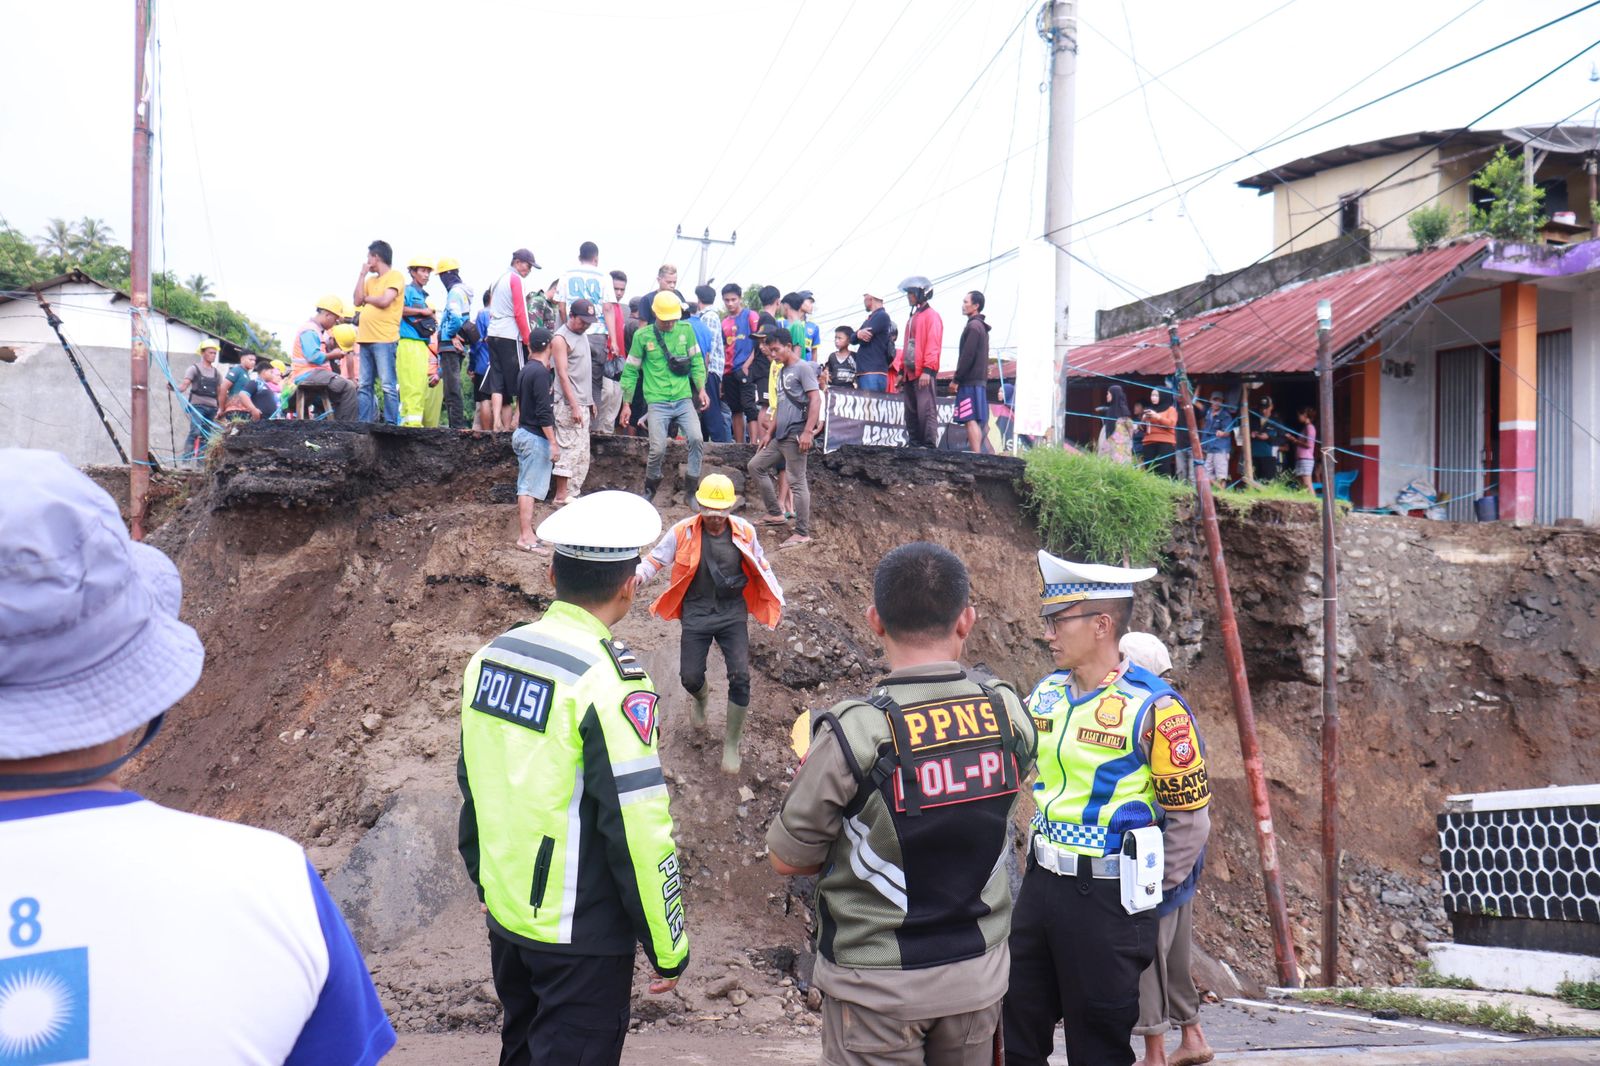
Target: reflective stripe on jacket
{"points": [[680, 547], [565, 826]]}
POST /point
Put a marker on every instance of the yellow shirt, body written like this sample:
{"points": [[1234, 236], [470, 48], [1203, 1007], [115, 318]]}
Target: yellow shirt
{"points": [[381, 325]]}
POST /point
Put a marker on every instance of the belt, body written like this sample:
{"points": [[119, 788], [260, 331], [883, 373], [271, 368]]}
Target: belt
{"points": [[1066, 863]]}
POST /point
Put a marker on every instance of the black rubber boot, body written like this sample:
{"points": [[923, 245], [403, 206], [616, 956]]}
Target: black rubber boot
{"points": [[691, 485], [650, 486]]}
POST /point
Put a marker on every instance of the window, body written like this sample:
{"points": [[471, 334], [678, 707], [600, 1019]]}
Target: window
{"points": [[1349, 215]]}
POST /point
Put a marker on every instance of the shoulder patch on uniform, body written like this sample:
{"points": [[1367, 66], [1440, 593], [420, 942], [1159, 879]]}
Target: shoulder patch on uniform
{"points": [[639, 708], [628, 666]]}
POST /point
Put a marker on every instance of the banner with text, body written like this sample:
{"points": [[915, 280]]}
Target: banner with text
{"points": [[852, 416]]}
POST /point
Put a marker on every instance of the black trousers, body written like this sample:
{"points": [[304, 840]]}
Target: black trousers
{"points": [[450, 374], [1266, 467], [733, 637], [561, 1010], [1076, 957]]}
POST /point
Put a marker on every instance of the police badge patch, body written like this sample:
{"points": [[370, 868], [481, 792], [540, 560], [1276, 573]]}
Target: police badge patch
{"points": [[1108, 712], [640, 710]]}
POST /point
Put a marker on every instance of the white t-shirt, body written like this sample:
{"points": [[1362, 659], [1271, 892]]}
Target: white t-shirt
{"points": [[587, 283], [131, 934]]}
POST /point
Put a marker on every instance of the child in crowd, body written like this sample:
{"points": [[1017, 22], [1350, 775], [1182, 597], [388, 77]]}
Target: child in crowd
{"points": [[1305, 447], [841, 363]]}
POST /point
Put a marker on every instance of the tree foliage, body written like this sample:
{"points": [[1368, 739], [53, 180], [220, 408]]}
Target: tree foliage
{"points": [[89, 245], [1513, 213], [1430, 225]]}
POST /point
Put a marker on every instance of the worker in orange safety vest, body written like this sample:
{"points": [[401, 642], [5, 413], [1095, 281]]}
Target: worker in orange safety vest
{"points": [[720, 578]]}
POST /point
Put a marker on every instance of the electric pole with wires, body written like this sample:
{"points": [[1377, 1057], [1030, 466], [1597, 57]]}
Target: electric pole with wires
{"points": [[705, 242], [1058, 25], [139, 270]]}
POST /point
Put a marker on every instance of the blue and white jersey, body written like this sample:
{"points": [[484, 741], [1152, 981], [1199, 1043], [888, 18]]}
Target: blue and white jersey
{"points": [[587, 283], [131, 934]]}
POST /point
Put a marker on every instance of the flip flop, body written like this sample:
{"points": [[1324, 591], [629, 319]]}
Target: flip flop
{"points": [[535, 549], [795, 541], [773, 520]]}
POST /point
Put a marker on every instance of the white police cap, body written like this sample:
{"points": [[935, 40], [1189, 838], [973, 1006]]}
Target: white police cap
{"points": [[608, 526], [1067, 583]]}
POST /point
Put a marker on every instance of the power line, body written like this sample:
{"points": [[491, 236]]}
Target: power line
{"points": [[1004, 44]]}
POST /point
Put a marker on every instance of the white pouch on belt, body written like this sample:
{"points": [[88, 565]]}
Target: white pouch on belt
{"points": [[1143, 862]]}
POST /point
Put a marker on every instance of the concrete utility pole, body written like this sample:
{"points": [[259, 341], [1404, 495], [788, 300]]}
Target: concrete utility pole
{"points": [[1058, 25], [705, 242], [139, 272], [1330, 654]]}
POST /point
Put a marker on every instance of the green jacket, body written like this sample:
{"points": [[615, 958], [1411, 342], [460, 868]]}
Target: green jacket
{"points": [[661, 385], [564, 825]]}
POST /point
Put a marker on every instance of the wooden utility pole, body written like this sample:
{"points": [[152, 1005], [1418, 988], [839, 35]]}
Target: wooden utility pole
{"points": [[706, 241], [1239, 682], [1330, 654], [139, 272], [1058, 25]]}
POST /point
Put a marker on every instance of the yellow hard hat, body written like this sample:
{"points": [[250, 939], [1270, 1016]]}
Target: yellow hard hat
{"points": [[344, 335], [716, 492], [666, 306], [210, 342], [448, 263], [331, 303], [419, 261]]}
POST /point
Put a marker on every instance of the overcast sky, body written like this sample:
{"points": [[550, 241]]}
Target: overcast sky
{"points": [[846, 141]]}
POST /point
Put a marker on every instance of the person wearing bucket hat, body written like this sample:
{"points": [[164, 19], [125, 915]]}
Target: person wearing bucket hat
{"points": [[566, 828], [720, 577], [875, 347], [122, 914]]}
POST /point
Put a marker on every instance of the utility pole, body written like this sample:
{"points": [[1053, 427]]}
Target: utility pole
{"points": [[139, 273], [1239, 682], [706, 241], [1330, 655], [1058, 25]]}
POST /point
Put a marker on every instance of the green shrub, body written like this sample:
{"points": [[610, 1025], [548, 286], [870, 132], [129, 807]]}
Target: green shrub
{"points": [[1430, 225], [1513, 213], [1094, 510], [1585, 994]]}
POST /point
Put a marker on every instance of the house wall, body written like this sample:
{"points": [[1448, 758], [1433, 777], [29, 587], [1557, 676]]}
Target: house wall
{"points": [[1409, 418], [43, 405], [92, 317], [1297, 204], [1586, 403]]}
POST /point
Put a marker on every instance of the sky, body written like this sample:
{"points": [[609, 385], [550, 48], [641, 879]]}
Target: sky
{"points": [[849, 143]]}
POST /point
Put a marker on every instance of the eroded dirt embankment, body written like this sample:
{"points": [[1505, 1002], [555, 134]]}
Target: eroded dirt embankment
{"points": [[341, 577]]}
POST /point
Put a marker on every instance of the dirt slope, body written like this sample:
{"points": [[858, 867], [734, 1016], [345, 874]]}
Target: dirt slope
{"points": [[341, 577]]}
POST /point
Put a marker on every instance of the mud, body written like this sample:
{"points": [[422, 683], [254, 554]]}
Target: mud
{"points": [[341, 577]]}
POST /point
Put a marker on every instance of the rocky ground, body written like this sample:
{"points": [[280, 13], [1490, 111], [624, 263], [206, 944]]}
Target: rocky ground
{"points": [[341, 576]]}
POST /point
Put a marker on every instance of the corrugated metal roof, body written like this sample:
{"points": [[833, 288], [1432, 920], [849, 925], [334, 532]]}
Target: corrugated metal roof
{"points": [[1277, 333]]}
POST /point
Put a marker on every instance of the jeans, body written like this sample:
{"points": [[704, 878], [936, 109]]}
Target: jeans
{"points": [[872, 382], [378, 362], [761, 466], [533, 463], [663, 417], [194, 445], [712, 424]]}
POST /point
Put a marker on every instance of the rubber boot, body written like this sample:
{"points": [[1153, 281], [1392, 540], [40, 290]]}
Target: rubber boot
{"points": [[697, 711], [730, 744], [691, 485], [650, 486]]}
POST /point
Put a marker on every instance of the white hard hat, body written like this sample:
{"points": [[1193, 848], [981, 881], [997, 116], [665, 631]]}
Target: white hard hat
{"points": [[607, 526], [1146, 650]]}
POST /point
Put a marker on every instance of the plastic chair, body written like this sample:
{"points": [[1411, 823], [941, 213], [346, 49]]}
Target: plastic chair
{"points": [[1342, 483]]}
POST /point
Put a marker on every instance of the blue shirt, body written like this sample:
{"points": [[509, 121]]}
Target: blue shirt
{"points": [[1219, 420], [415, 297], [710, 344], [480, 351]]}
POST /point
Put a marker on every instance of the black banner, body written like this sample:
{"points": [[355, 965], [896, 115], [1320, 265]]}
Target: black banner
{"points": [[853, 416]]}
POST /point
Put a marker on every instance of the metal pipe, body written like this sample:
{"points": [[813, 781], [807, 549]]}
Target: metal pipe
{"points": [[1057, 24], [139, 273], [1330, 654], [1239, 683]]}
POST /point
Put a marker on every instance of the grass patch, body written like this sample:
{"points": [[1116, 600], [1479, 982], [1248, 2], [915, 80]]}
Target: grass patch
{"points": [[1483, 1015], [1243, 498], [1428, 977], [1585, 994], [1094, 510]]}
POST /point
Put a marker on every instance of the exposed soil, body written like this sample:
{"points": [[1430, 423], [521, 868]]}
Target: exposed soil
{"points": [[342, 576]]}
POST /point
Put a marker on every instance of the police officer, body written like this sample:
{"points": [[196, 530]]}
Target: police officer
{"points": [[564, 825], [903, 804], [1121, 781]]}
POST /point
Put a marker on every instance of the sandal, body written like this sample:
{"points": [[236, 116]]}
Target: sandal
{"points": [[795, 541], [773, 520], [1192, 1058], [536, 548]]}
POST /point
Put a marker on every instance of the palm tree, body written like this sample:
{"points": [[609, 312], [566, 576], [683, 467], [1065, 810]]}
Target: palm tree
{"points": [[93, 234], [59, 241], [200, 285]]}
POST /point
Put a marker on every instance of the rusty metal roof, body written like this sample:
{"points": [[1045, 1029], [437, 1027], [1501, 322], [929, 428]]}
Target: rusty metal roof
{"points": [[1277, 333]]}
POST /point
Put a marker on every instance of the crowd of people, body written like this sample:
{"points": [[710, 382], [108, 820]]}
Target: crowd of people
{"points": [[1155, 435], [557, 363]]}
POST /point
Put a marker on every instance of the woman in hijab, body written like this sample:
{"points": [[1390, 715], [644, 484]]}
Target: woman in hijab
{"points": [[1116, 427]]}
